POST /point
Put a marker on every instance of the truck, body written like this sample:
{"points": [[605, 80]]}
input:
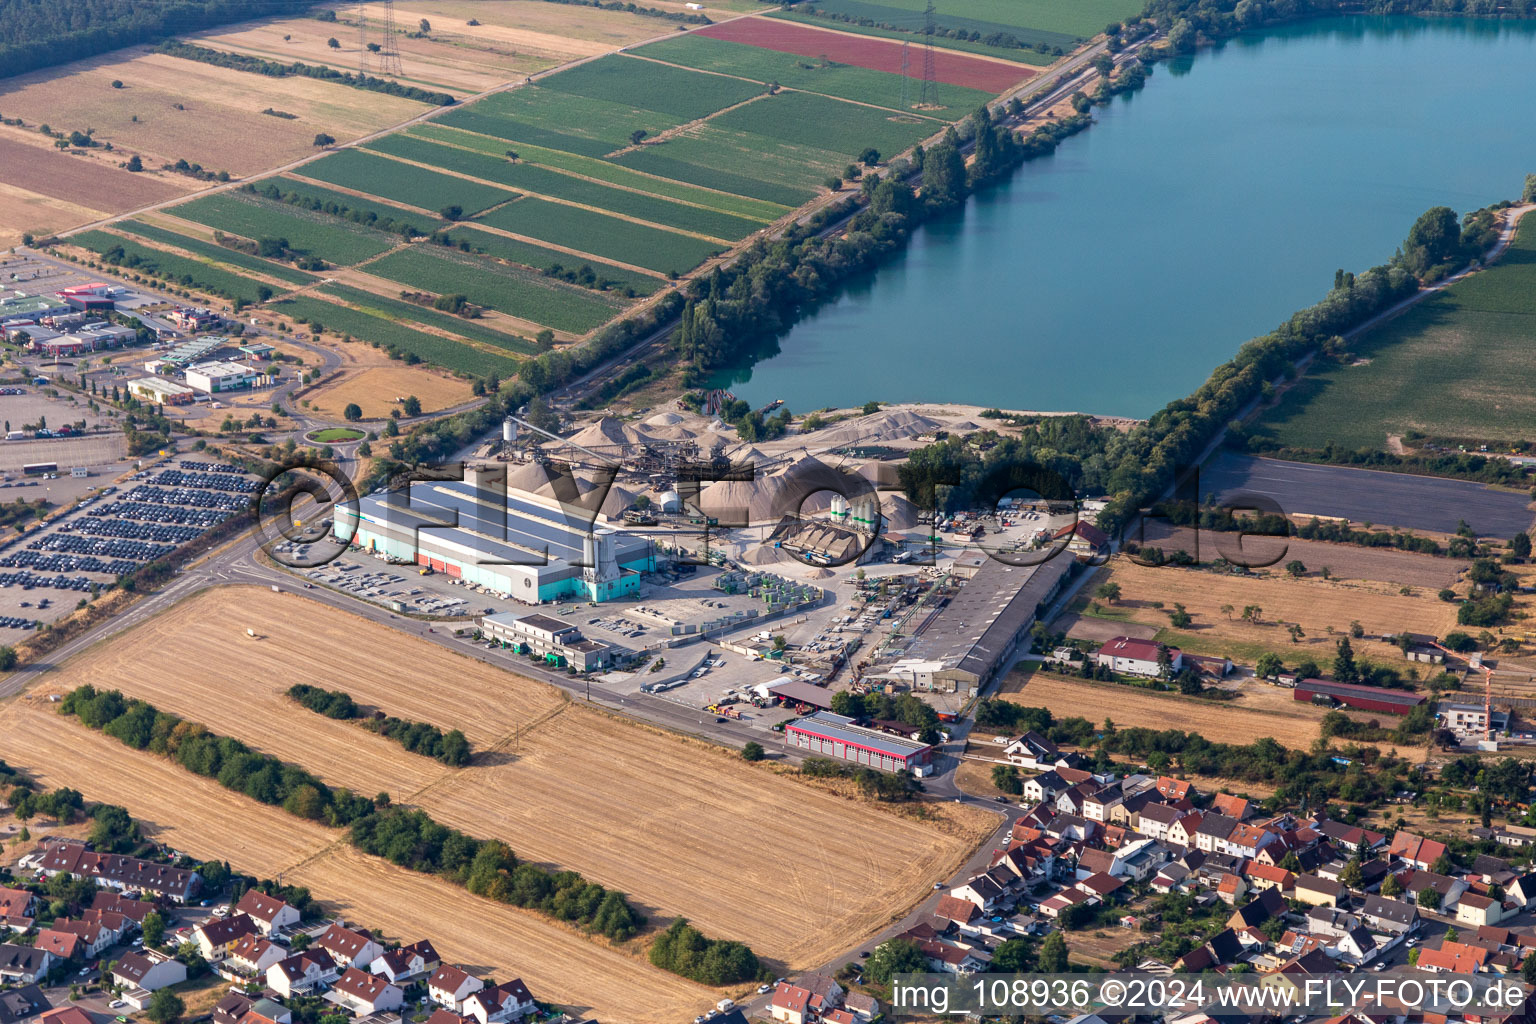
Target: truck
{"points": [[16, 435]]}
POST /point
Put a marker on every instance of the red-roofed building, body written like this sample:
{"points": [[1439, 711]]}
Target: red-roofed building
{"points": [[365, 993], [790, 1003], [1453, 958], [1136, 657], [1416, 850], [1086, 540]]}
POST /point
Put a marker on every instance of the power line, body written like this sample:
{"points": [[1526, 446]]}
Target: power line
{"points": [[389, 53], [362, 38], [906, 73], [930, 81]]}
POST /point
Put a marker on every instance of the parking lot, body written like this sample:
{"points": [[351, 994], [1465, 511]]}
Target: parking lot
{"points": [[112, 531]]}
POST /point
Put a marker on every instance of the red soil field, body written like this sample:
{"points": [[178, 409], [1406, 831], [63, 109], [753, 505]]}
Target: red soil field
{"points": [[992, 76], [79, 179]]}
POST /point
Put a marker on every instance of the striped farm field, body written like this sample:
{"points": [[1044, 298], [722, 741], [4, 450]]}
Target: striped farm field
{"points": [[828, 77], [603, 170], [601, 235], [559, 120], [537, 257], [1015, 53], [391, 179], [531, 179], [684, 159], [307, 195], [685, 94], [777, 164], [190, 272], [397, 309], [430, 348], [523, 294], [844, 129], [306, 231], [213, 251], [992, 76]]}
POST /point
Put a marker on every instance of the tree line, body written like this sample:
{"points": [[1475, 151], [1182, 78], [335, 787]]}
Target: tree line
{"points": [[406, 837], [335, 208], [683, 949], [424, 738], [40, 35], [276, 69]]}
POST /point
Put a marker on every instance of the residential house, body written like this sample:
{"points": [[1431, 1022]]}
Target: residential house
{"points": [[23, 964], [1507, 836], [1356, 946], [252, 955], [1416, 850], [349, 948], [826, 993], [1450, 889], [399, 965], [21, 1003], [1062, 901], [216, 936], [1097, 805], [1072, 828], [302, 973], [1493, 870], [365, 993], [449, 986], [1137, 657], [449, 1017], [1154, 820], [790, 1003], [1319, 892], [1213, 831], [1234, 807], [1391, 916], [1352, 838], [1074, 799], [1182, 832], [1101, 885], [148, 970], [1268, 876], [60, 945], [1230, 889], [1476, 910], [947, 959], [1522, 891], [980, 890], [1032, 750], [114, 927], [1256, 911], [232, 1009], [864, 1008], [1453, 958], [1173, 789], [65, 1015], [1172, 877], [117, 871], [1043, 787], [507, 1001], [270, 914], [94, 938], [961, 912], [1331, 922], [116, 903], [15, 910]]}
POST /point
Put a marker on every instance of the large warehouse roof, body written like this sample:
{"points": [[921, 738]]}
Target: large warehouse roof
{"points": [[838, 727], [508, 533], [1344, 690]]}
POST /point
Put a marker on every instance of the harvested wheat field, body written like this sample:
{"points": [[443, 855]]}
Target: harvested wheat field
{"points": [[26, 212], [208, 821], [657, 814], [1311, 602], [1228, 721], [558, 964], [28, 161], [634, 808], [375, 388], [220, 125]]}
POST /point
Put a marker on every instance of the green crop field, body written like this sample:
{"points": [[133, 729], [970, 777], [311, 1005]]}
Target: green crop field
{"points": [[1460, 364], [601, 235], [189, 272], [778, 165], [333, 203], [398, 309], [559, 120], [214, 251], [677, 159], [806, 119], [912, 33], [1048, 22], [845, 81], [618, 78], [538, 257], [306, 231], [444, 352], [403, 183], [532, 179], [525, 295], [603, 170]]}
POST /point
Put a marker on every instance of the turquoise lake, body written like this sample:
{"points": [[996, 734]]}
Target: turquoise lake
{"points": [[1112, 276]]}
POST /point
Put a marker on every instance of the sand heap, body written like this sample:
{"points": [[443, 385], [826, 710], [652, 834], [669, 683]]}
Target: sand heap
{"points": [[900, 514], [607, 432], [879, 426], [793, 487]]}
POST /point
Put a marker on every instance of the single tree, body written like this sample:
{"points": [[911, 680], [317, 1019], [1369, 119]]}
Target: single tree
{"points": [[153, 928], [1053, 954], [752, 751], [166, 1007], [1109, 591], [426, 26], [322, 140], [353, 412], [333, 43], [134, 163]]}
